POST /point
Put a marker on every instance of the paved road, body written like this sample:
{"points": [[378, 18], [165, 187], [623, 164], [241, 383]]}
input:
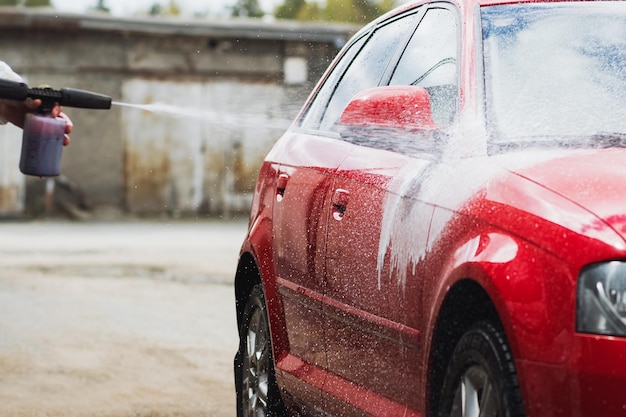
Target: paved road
{"points": [[117, 319]]}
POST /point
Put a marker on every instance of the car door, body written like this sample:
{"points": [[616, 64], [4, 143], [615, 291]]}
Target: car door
{"points": [[363, 301], [299, 224], [344, 362], [377, 230], [431, 60], [305, 161], [301, 217]]}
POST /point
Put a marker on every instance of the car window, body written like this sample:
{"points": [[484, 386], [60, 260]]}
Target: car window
{"points": [[364, 71], [368, 67], [555, 70], [316, 109], [430, 61]]}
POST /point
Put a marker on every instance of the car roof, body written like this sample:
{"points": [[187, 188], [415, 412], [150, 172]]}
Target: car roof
{"points": [[468, 4], [463, 5]]}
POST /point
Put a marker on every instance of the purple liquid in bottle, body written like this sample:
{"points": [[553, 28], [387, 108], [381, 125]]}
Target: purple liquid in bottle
{"points": [[42, 145]]}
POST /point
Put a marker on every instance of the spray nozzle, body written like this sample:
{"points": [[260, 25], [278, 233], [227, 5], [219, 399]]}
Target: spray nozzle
{"points": [[69, 97]]}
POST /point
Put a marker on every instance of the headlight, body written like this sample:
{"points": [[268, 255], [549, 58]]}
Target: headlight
{"points": [[601, 303]]}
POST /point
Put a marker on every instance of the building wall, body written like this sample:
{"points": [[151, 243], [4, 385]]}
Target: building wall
{"points": [[213, 96], [12, 189]]}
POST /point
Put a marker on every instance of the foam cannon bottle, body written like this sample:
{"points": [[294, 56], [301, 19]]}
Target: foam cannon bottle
{"points": [[42, 140]]}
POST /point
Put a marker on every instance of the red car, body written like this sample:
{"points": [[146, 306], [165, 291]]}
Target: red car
{"points": [[442, 231]]}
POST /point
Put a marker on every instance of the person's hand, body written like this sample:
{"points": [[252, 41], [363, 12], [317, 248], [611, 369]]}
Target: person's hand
{"points": [[58, 113], [15, 112]]}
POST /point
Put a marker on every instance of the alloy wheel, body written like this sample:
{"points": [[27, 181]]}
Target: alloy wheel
{"points": [[256, 366], [475, 395]]}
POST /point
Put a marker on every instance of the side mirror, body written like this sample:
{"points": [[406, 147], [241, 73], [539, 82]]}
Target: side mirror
{"points": [[390, 107]]}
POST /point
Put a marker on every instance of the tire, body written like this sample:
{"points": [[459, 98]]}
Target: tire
{"points": [[255, 381], [481, 378]]}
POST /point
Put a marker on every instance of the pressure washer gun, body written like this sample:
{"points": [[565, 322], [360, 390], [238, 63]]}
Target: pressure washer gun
{"points": [[42, 140]]}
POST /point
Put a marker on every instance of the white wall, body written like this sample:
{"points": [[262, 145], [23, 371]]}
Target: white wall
{"points": [[12, 183], [193, 144]]}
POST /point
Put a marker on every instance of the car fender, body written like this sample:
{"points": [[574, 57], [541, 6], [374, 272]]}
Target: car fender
{"points": [[531, 290], [258, 247]]}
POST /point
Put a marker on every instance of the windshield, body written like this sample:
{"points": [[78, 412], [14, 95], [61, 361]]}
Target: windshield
{"points": [[555, 70]]}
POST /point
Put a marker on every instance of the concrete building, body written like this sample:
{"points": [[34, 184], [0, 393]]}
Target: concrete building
{"points": [[205, 100]]}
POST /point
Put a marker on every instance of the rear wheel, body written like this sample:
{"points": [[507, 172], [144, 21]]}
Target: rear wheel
{"points": [[257, 392], [481, 380]]}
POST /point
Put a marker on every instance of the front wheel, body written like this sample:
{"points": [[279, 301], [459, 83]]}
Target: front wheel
{"points": [[257, 392], [481, 380]]}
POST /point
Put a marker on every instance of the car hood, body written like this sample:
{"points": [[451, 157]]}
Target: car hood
{"points": [[564, 201], [581, 190]]}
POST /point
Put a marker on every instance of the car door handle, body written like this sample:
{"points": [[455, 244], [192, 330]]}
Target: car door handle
{"points": [[281, 185], [340, 201]]}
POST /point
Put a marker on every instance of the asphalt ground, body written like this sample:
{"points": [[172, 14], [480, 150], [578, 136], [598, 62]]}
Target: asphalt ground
{"points": [[117, 319]]}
